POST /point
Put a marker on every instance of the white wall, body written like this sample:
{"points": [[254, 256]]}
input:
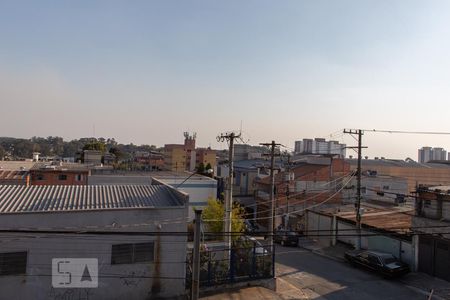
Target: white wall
{"points": [[116, 281], [199, 190]]}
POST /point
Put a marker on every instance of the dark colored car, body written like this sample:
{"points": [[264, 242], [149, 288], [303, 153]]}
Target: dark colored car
{"points": [[286, 237], [383, 263]]}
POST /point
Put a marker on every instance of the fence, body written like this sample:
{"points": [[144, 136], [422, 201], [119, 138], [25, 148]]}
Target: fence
{"points": [[238, 264]]}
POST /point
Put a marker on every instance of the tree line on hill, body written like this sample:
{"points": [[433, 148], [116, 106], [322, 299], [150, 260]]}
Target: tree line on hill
{"points": [[18, 148]]}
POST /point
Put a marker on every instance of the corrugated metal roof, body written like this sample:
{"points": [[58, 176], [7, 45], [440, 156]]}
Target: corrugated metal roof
{"points": [[15, 199]]}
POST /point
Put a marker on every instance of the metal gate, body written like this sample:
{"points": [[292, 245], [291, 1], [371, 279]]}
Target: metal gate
{"points": [[434, 257]]}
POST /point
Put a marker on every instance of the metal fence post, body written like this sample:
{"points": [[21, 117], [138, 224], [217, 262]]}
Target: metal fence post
{"points": [[273, 260], [232, 265], [254, 261], [209, 269]]}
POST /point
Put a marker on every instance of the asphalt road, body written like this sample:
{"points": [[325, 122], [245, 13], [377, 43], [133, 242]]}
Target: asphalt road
{"points": [[322, 278]]}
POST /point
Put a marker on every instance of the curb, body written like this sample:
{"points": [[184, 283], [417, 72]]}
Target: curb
{"points": [[423, 292]]}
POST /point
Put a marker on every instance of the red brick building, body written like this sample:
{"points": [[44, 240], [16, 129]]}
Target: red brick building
{"points": [[59, 174]]}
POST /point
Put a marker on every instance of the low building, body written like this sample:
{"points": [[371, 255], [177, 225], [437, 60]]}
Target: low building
{"points": [[385, 228], [416, 173], [199, 188], [431, 222], [126, 229], [309, 181], [92, 157], [382, 188], [59, 174], [15, 172]]}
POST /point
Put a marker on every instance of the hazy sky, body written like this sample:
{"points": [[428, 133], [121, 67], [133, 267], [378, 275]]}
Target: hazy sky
{"points": [[145, 71]]}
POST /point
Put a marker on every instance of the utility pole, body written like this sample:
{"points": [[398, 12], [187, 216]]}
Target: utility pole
{"points": [[288, 190], [271, 228], [230, 137], [359, 133], [196, 258]]}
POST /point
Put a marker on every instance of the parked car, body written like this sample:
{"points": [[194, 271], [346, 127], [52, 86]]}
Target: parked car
{"points": [[286, 237], [383, 263]]}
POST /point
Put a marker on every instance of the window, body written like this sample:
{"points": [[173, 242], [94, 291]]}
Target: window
{"points": [[385, 187], [62, 177], [427, 203], [39, 177], [363, 190], [79, 177], [13, 263], [374, 260], [132, 253]]}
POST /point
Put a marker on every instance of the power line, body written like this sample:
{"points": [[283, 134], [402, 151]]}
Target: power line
{"points": [[407, 132]]}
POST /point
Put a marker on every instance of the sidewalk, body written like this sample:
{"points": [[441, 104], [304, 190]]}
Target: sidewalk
{"points": [[419, 281], [285, 291]]}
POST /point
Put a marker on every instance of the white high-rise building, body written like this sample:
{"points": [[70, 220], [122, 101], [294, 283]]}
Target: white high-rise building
{"points": [[319, 146], [427, 154]]}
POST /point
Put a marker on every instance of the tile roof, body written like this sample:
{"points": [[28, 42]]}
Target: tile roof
{"points": [[18, 199]]}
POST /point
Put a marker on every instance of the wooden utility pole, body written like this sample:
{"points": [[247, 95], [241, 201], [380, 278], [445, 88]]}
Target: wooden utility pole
{"points": [[230, 137], [358, 132], [271, 228]]}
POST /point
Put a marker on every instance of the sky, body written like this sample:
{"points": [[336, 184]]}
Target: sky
{"points": [[146, 71]]}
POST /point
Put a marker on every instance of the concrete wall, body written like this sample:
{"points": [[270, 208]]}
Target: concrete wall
{"points": [[404, 250], [317, 225], [125, 281]]}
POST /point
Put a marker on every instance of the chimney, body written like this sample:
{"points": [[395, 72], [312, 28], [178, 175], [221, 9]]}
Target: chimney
{"points": [[36, 156]]}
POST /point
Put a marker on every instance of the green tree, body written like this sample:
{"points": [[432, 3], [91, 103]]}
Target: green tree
{"points": [[201, 168], [95, 145], [214, 213]]}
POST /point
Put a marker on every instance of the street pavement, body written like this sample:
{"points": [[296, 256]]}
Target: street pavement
{"points": [[322, 278]]}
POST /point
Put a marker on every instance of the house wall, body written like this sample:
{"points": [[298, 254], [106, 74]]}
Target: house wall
{"points": [[130, 281], [51, 177]]}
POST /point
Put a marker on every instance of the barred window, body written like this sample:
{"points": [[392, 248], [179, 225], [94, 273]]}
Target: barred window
{"points": [[132, 253], [13, 263]]}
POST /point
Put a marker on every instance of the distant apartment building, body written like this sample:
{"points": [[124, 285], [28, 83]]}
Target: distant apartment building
{"points": [[59, 174], [185, 157], [150, 160], [320, 146], [174, 158], [206, 156], [427, 154]]}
